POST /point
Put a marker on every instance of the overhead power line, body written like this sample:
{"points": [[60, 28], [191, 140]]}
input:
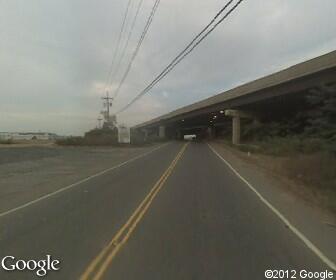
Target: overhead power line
{"points": [[183, 55], [127, 41], [186, 51], [137, 48], [116, 50]]}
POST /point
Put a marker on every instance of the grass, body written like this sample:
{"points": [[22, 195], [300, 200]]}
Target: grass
{"points": [[6, 142], [307, 161], [288, 146], [88, 141], [317, 171], [98, 141]]}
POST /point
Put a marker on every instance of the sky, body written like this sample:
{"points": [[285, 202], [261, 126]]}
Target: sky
{"points": [[55, 55]]}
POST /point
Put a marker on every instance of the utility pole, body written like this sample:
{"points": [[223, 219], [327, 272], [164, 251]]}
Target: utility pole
{"points": [[108, 104]]}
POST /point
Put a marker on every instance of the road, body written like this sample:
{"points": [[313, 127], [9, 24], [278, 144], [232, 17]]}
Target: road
{"points": [[176, 213]]}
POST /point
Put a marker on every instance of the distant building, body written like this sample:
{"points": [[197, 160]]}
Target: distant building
{"points": [[28, 136]]}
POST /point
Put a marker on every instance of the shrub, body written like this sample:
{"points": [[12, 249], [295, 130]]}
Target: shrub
{"points": [[70, 141], [95, 137]]}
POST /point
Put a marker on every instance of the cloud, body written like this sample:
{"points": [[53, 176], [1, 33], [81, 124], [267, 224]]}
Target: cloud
{"points": [[55, 55]]}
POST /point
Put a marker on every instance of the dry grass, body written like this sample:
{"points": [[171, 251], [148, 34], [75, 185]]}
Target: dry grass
{"points": [[316, 171], [309, 164]]}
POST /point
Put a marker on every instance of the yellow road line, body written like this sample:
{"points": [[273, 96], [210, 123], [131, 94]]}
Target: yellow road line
{"points": [[101, 262]]}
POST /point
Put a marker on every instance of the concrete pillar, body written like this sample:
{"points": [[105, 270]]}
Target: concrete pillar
{"points": [[236, 115], [210, 132], [162, 131], [178, 135], [146, 134], [236, 130]]}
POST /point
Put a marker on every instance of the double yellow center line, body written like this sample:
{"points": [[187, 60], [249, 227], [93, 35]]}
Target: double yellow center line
{"points": [[102, 261]]}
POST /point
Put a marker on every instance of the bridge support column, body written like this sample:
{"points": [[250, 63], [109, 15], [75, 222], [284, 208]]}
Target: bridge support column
{"points": [[210, 132], [162, 131], [178, 135], [146, 134], [236, 128]]}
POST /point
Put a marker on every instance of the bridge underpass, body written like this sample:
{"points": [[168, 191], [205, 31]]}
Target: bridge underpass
{"points": [[268, 99]]}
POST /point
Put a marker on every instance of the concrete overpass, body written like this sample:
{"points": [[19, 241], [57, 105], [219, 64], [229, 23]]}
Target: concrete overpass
{"points": [[260, 100]]}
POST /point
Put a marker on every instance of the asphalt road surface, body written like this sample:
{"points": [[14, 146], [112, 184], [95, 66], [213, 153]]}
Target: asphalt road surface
{"points": [[176, 213]]}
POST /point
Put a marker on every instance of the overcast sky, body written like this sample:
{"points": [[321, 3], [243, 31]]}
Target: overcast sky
{"points": [[55, 55]]}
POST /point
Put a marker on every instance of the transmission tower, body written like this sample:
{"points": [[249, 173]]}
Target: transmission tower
{"points": [[109, 121], [107, 103]]}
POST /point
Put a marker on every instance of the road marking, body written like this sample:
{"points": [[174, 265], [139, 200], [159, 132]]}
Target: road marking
{"points": [[78, 183], [297, 232], [101, 262]]}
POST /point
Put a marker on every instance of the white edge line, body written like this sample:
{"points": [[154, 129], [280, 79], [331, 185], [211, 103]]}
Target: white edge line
{"points": [[303, 238], [78, 183]]}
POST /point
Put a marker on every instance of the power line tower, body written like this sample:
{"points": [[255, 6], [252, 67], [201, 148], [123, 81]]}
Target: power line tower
{"points": [[107, 103], [110, 121]]}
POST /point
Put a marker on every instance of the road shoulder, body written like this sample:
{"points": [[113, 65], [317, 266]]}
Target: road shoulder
{"points": [[316, 224]]}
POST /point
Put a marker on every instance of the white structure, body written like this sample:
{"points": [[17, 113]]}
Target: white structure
{"points": [[124, 134]]}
